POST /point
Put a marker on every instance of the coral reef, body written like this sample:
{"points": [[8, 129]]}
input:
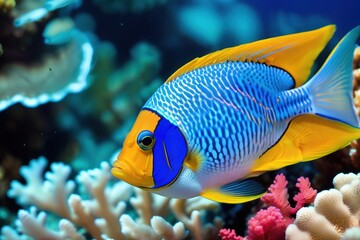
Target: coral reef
{"points": [[271, 223], [54, 71], [103, 211], [51, 79], [41, 46], [229, 234], [335, 214], [277, 195]]}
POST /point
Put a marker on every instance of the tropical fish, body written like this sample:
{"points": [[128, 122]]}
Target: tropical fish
{"points": [[224, 118]]}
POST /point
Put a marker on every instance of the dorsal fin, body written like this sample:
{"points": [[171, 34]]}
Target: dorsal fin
{"points": [[295, 53]]}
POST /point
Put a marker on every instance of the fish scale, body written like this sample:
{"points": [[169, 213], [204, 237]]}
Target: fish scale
{"points": [[226, 99]]}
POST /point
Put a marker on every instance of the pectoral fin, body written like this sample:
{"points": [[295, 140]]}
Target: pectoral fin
{"points": [[194, 160], [236, 192]]}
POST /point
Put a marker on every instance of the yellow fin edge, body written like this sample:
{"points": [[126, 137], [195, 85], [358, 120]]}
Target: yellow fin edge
{"points": [[294, 53], [216, 195]]}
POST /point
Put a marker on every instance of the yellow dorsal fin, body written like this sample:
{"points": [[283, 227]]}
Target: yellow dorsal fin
{"points": [[295, 53], [308, 137]]}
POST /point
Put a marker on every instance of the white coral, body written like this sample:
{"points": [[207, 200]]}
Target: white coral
{"points": [[102, 213], [50, 194], [33, 225], [335, 214]]}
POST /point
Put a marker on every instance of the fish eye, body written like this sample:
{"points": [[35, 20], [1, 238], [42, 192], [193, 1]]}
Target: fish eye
{"points": [[146, 140]]}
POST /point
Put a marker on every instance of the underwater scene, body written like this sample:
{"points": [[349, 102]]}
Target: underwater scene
{"points": [[169, 119]]}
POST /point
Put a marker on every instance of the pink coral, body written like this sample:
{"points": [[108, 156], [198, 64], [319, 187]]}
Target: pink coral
{"points": [[229, 234], [306, 194], [267, 224], [271, 223], [278, 196]]}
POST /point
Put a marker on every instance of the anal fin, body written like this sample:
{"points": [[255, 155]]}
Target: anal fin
{"points": [[308, 137]]}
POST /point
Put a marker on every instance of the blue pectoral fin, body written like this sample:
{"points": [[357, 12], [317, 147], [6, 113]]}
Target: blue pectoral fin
{"points": [[236, 192]]}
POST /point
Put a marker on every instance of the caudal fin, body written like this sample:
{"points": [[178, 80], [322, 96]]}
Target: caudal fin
{"points": [[331, 87]]}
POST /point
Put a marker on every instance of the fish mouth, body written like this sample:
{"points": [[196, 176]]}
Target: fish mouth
{"points": [[129, 174], [119, 171], [117, 166]]}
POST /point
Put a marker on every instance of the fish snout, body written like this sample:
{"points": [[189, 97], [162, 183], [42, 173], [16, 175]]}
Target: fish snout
{"points": [[118, 170], [131, 175]]}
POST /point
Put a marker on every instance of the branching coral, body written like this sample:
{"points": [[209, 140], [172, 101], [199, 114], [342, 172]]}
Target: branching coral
{"points": [[335, 214], [229, 234], [102, 213], [32, 224], [271, 223], [278, 195]]}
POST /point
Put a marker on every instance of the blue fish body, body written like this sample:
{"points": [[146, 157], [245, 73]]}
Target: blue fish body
{"points": [[232, 115], [230, 112]]}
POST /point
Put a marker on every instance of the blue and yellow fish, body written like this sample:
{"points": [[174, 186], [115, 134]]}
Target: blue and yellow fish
{"points": [[236, 113]]}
